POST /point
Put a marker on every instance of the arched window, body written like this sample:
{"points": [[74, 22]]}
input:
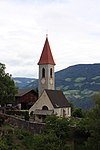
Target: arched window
{"points": [[43, 73], [51, 73], [44, 108]]}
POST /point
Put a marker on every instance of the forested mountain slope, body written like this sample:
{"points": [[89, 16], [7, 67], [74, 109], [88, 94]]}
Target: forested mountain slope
{"points": [[79, 83]]}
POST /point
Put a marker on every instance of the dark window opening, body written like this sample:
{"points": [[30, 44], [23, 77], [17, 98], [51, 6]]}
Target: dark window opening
{"points": [[43, 73], [51, 73]]}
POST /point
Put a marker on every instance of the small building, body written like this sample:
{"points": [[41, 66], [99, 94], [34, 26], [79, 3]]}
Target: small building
{"points": [[26, 98], [51, 102]]}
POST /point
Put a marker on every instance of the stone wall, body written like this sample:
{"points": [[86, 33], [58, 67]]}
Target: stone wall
{"points": [[22, 124]]}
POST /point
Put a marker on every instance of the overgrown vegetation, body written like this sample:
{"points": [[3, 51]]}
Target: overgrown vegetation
{"points": [[18, 140]]}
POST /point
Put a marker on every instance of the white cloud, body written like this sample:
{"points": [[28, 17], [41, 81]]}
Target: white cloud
{"points": [[73, 27]]}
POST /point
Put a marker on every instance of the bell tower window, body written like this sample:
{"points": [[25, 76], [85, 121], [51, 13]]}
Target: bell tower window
{"points": [[43, 73], [51, 73]]}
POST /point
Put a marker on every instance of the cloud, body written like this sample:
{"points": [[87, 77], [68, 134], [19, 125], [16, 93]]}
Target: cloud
{"points": [[73, 27]]}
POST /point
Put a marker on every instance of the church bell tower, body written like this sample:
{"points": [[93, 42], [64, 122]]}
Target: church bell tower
{"points": [[46, 69]]}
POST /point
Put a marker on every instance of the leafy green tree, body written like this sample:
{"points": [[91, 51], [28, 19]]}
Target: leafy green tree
{"points": [[59, 126], [77, 112], [46, 142], [53, 138], [58, 131], [7, 86], [93, 125]]}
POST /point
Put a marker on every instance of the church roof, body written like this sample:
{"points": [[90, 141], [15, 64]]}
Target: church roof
{"points": [[22, 92], [46, 56], [57, 98]]}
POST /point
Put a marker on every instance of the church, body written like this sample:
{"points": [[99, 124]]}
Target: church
{"points": [[50, 101]]}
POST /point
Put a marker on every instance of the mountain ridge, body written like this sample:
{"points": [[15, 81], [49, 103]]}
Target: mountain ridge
{"points": [[79, 83]]}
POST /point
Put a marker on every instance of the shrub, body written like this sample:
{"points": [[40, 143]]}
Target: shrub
{"points": [[26, 116]]}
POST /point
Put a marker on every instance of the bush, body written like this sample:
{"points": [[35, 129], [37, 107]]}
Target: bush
{"points": [[77, 112], [26, 116]]}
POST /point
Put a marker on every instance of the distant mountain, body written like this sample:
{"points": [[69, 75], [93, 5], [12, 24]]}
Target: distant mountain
{"points": [[79, 83], [23, 83]]}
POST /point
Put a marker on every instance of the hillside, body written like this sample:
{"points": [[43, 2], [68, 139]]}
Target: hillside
{"points": [[79, 83], [22, 83]]}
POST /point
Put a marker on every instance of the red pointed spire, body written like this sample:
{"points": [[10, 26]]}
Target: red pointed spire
{"points": [[46, 56]]}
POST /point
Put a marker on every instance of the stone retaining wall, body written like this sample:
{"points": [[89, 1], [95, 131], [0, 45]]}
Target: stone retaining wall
{"points": [[22, 124]]}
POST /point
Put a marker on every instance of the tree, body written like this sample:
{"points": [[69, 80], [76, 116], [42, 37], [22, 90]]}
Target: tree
{"points": [[59, 126], [56, 135], [93, 124], [7, 86], [77, 112]]}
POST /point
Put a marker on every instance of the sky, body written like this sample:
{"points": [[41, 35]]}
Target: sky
{"points": [[73, 28]]}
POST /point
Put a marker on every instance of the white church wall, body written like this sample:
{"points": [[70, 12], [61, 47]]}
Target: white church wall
{"points": [[42, 101], [63, 112]]}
